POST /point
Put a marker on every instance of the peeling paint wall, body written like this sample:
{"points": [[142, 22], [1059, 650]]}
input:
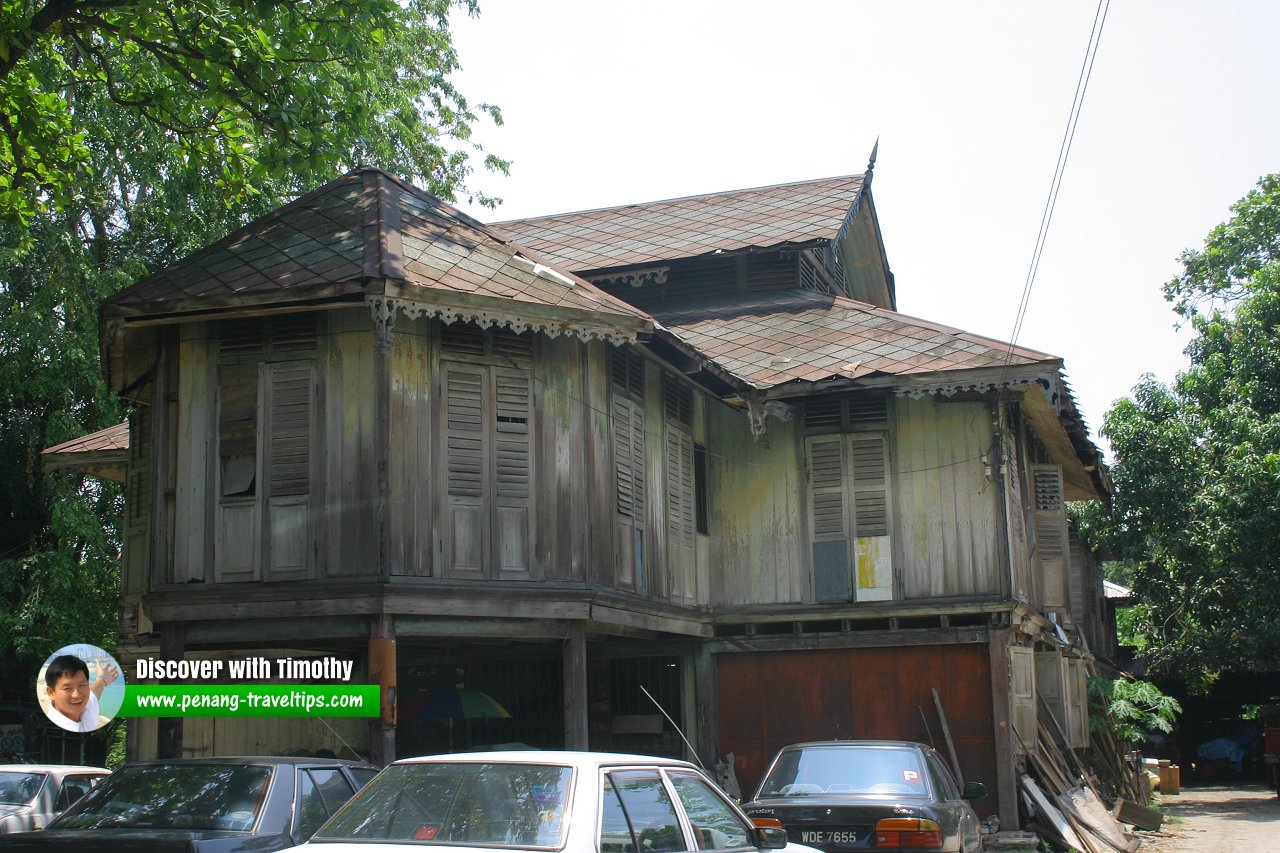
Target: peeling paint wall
{"points": [[758, 540], [946, 511]]}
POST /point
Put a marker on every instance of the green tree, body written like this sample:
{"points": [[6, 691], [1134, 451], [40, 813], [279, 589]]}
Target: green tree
{"points": [[142, 190], [1198, 462], [252, 90], [1132, 710]]}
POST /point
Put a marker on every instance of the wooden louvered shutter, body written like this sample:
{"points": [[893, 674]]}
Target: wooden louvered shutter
{"points": [[873, 553], [290, 430], [466, 469], [681, 520], [1050, 515], [627, 409], [289, 391], [828, 513], [513, 483]]}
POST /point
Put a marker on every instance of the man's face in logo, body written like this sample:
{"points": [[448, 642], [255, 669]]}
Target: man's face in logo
{"points": [[70, 694]]}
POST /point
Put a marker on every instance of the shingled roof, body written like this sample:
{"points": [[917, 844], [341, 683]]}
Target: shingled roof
{"points": [[370, 233], [770, 339], [103, 453], [795, 213]]}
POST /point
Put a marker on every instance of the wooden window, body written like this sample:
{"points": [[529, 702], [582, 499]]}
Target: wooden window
{"points": [[487, 452], [849, 522], [1022, 696], [238, 429], [681, 513], [700, 488], [1077, 689], [1051, 698], [1050, 520], [627, 372], [267, 390], [863, 411]]}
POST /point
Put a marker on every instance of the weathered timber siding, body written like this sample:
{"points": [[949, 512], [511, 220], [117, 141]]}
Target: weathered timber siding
{"points": [[410, 434], [206, 737], [193, 510], [563, 462], [1027, 586], [758, 537], [601, 514], [947, 512], [657, 579], [859, 694], [350, 520]]}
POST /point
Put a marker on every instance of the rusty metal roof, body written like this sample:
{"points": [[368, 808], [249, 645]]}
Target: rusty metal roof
{"points": [[351, 237], [769, 339], [633, 234], [103, 453]]}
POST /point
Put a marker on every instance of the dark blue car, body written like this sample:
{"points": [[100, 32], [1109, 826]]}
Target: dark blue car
{"points": [[851, 795]]}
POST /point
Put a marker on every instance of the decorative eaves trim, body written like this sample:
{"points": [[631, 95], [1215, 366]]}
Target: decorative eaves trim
{"points": [[385, 308], [635, 278], [948, 389]]}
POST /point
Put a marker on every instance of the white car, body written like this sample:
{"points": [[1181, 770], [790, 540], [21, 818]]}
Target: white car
{"points": [[581, 802], [31, 795]]}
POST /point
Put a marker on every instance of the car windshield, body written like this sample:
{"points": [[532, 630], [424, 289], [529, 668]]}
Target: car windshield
{"points": [[19, 789], [465, 803], [844, 770], [174, 796]]}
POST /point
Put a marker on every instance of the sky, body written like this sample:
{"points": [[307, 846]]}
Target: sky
{"points": [[608, 102]]}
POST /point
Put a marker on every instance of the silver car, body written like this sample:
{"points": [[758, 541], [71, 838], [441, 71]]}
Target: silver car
{"points": [[573, 802], [31, 795]]}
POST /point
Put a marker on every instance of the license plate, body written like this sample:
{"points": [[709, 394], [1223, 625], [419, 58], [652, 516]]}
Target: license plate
{"points": [[828, 836]]}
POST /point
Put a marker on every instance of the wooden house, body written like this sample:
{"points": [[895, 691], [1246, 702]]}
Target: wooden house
{"points": [[685, 451]]}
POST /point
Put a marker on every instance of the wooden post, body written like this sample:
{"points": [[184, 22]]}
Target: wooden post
{"points": [[169, 729], [1002, 728], [575, 687], [382, 671], [706, 735]]}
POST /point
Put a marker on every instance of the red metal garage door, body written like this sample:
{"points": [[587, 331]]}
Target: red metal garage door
{"points": [[771, 699]]}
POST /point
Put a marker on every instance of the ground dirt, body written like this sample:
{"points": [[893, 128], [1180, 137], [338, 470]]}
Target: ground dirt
{"points": [[1238, 818]]}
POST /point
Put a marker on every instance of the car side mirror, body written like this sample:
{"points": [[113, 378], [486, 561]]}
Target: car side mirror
{"points": [[974, 790], [770, 838]]}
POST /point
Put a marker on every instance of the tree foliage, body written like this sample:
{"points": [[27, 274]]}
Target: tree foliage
{"points": [[107, 174], [1133, 710], [1198, 461], [251, 90]]}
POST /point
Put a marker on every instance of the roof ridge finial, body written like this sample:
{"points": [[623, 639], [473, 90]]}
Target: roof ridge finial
{"points": [[871, 163]]}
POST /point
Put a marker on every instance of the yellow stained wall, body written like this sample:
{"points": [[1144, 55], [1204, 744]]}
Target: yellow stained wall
{"points": [[758, 540]]}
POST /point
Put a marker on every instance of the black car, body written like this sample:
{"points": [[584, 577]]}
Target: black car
{"points": [[851, 795], [198, 805]]}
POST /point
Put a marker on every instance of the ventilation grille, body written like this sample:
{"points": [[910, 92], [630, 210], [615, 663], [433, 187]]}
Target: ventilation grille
{"points": [[834, 414], [627, 372], [678, 399], [258, 336]]}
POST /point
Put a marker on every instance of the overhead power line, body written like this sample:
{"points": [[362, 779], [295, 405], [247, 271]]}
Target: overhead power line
{"points": [[1064, 151]]}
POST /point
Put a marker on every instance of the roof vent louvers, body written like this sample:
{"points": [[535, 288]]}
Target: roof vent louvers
{"points": [[868, 409], [863, 410]]}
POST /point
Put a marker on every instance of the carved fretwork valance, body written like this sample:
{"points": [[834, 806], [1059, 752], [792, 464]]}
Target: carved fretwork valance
{"points": [[635, 278], [385, 309]]}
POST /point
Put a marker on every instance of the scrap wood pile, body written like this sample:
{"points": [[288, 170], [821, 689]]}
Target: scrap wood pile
{"points": [[1067, 794]]}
